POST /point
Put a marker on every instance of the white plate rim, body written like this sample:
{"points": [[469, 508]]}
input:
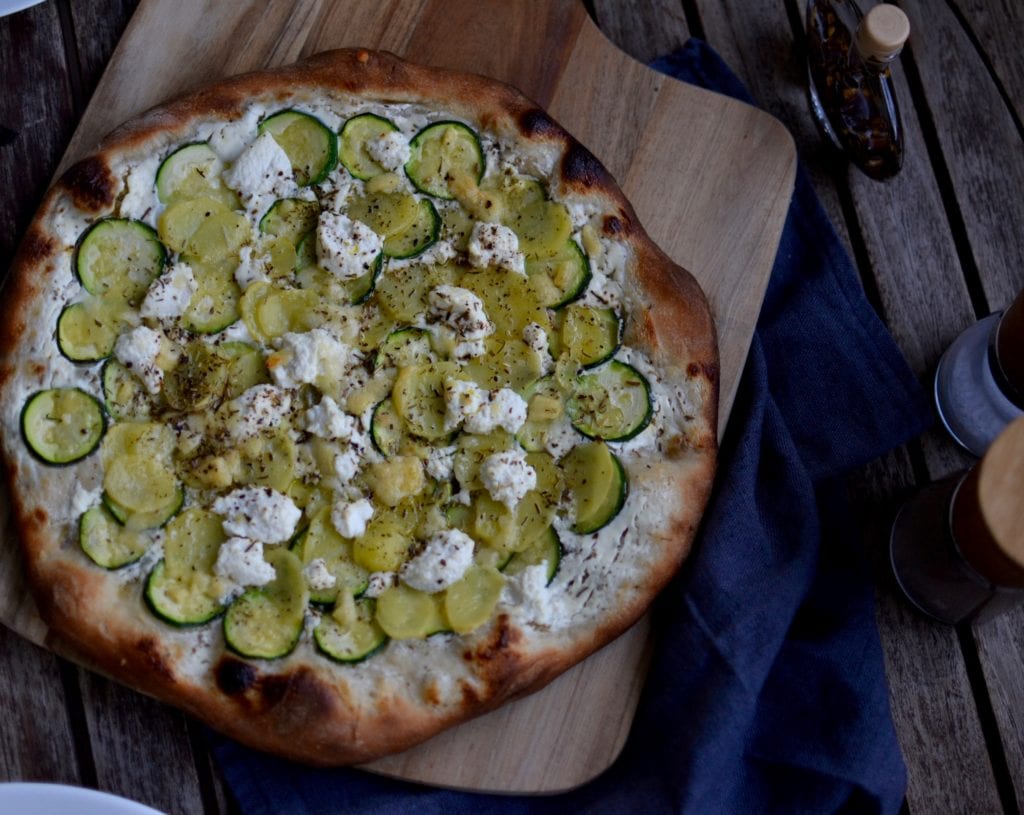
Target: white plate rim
{"points": [[43, 798]]}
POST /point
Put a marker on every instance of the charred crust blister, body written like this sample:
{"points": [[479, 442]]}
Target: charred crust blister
{"points": [[90, 185], [235, 677], [580, 167], [535, 123]]}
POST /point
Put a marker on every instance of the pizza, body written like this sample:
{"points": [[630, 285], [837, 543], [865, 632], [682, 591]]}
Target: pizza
{"points": [[347, 401]]}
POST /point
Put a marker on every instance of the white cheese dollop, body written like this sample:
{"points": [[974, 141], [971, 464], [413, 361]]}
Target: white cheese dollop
{"points": [[318, 576], [462, 399], [252, 268], [440, 462], [262, 170], [507, 476], [536, 338], [257, 409], [346, 465], [441, 562], [344, 247], [504, 408], [461, 310], [303, 357], [560, 437], [258, 513], [390, 151], [240, 560], [495, 246], [170, 294], [328, 421], [138, 350], [378, 581], [350, 517]]}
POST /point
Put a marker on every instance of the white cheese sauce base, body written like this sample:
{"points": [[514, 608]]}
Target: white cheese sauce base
{"points": [[597, 571]]}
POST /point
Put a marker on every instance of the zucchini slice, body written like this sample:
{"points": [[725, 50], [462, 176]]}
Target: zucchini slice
{"points": [[613, 404], [561, 278], [214, 306], [591, 335], [544, 406], [266, 623], [106, 542], [178, 602], [124, 395], [386, 429], [62, 425], [87, 330], [470, 603], [148, 519], [246, 367], [547, 549], [404, 347], [121, 257], [290, 218], [418, 236], [354, 640], [189, 172], [182, 589], [355, 135], [321, 540], [442, 152], [311, 146], [359, 290], [406, 613], [598, 483]]}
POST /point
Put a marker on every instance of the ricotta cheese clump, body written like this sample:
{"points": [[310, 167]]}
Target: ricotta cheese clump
{"points": [[350, 517], [304, 357], [504, 408], [344, 247], [390, 151], [441, 562], [318, 576], [240, 560], [258, 513], [461, 310], [262, 170], [507, 476], [328, 421], [138, 351], [170, 294], [497, 246], [440, 462], [257, 409]]}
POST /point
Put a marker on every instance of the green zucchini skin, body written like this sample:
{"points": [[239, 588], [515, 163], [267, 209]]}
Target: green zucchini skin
{"points": [[162, 610], [621, 488], [615, 375], [416, 146], [30, 434]]}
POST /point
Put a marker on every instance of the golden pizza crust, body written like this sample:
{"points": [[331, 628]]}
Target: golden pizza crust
{"points": [[305, 707]]}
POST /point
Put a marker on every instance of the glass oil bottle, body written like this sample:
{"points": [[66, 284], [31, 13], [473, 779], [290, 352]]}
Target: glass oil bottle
{"points": [[849, 56]]}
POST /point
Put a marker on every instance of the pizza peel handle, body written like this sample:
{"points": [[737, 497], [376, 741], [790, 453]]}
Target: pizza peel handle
{"points": [[735, 164]]}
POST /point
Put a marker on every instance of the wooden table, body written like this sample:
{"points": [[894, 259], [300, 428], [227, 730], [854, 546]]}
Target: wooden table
{"points": [[937, 248]]}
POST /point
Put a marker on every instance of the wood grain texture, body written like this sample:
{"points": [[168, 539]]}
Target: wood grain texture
{"points": [[912, 261], [646, 29], [36, 741], [758, 43], [36, 121], [713, 195], [996, 26], [129, 761], [977, 132]]}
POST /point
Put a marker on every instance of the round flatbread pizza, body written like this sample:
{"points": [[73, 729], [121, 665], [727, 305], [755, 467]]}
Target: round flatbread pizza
{"points": [[347, 401]]}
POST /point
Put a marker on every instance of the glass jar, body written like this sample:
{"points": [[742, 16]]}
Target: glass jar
{"points": [[852, 96]]}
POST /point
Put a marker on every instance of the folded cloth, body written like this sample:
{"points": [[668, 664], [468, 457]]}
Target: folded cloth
{"points": [[767, 690]]}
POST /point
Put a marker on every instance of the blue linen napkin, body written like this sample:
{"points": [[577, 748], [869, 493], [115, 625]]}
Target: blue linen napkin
{"points": [[767, 690]]}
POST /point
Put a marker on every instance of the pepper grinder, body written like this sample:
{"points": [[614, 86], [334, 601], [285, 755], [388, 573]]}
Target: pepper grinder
{"points": [[979, 382], [957, 547]]}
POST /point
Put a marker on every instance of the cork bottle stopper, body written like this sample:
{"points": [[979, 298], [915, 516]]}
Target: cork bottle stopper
{"points": [[988, 510], [882, 32]]}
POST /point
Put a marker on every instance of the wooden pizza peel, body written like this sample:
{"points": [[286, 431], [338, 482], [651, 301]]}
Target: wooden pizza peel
{"points": [[710, 179]]}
